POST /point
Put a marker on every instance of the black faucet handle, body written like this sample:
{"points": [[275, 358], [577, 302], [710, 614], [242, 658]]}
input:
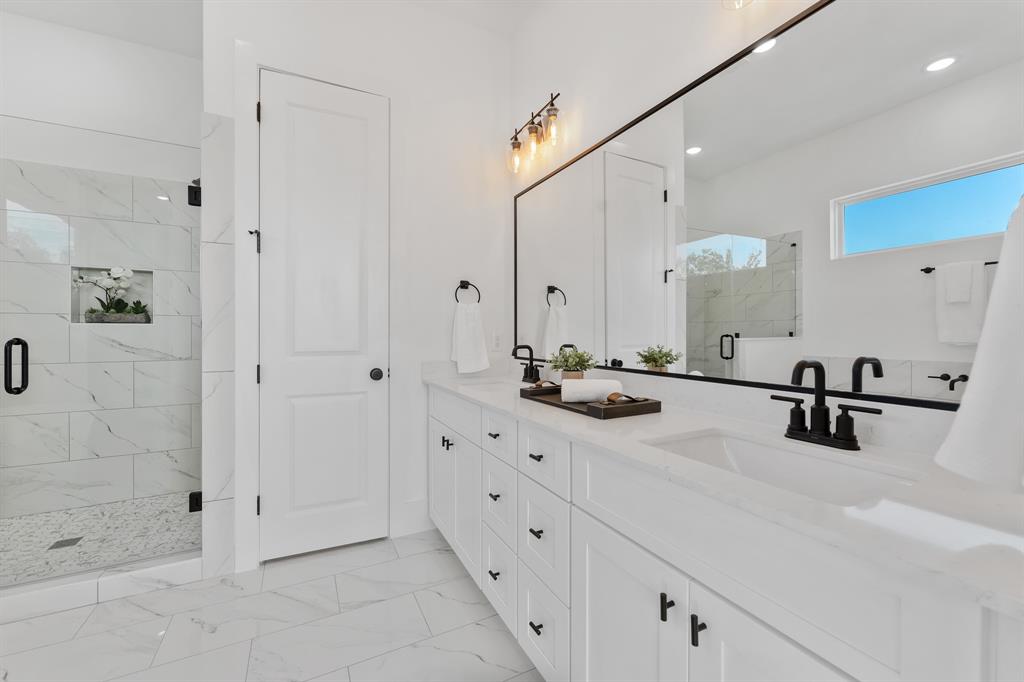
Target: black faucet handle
{"points": [[788, 399], [856, 408], [943, 377], [797, 416]]}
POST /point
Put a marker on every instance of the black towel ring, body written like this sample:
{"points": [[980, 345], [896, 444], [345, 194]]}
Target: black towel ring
{"points": [[552, 289], [465, 284]]}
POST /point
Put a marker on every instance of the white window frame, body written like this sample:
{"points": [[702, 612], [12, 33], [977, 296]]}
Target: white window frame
{"points": [[837, 206]]}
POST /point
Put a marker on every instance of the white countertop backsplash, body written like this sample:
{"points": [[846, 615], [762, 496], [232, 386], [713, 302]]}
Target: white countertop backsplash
{"points": [[942, 531]]}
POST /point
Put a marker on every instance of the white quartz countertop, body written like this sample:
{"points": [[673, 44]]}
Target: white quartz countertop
{"points": [[942, 530]]}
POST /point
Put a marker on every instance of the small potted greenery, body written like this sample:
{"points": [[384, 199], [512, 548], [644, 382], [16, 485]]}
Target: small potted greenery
{"points": [[114, 305], [658, 358], [572, 363]]}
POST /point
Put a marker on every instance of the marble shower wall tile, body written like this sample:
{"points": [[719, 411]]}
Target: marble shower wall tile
{"points": [[47, 334], [109, 433], [218, 307], [33, 237], [166, 338], [167, 383], [175, 293], [160, 473], [64, 485], [218, 435], [218, 538], [197, 338], [35, 288], [44, 188], [34, 439], [105, 243], [73, 387], [148, 207], [218, 146]]}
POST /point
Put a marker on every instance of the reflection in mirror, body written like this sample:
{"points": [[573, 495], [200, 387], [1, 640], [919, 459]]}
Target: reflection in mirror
{"points": [[815, 200]]}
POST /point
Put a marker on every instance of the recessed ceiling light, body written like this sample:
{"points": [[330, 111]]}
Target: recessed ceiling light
{"points": [[940, 64], [765, 46], [163, 197], [693, 151]]}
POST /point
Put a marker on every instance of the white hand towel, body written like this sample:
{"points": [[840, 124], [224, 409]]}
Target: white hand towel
{"points": [[588, 390], [556, 330], [469, 347], [961, 296]]}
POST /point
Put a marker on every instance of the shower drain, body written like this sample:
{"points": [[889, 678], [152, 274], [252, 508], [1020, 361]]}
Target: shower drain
{"points": [[66, 542]]}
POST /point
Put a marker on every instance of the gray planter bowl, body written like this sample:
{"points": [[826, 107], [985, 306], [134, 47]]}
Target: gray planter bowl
{"points": [[117, 318]]}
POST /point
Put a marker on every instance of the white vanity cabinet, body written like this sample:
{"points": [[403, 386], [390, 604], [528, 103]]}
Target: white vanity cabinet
{"points": [[441, 476], [630, 615]]}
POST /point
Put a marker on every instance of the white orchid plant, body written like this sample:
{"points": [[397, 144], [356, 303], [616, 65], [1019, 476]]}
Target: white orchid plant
{"points": [[115, 284]]}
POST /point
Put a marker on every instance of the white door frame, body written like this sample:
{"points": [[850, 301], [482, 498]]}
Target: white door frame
{"points": [[246, 299]]}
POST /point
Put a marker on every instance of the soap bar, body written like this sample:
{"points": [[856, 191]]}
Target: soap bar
{"points": [[588, 390]]}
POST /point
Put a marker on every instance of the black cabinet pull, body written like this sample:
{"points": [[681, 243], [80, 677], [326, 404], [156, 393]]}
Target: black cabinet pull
{"points": [[494, 496], [9, 366], [536, 458], [536, 533], [444, 441], [666, 604], [696, 627], [493, 435], [536, 628], [494, 574]]}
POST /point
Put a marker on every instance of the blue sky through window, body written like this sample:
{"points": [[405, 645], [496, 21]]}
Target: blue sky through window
{"points": [[966, 207]]}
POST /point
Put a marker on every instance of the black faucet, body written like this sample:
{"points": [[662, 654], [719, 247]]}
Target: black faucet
{"points": [[858, 372], [531, 372], [960, 379], [821, 424]]}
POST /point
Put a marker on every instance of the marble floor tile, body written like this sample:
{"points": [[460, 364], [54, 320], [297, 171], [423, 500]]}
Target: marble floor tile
{"points": [[227, 664], [340, 675], [419, 542], [531, 675], [212, 627], [316, 648], [328, 562], [32, 633], [380, 582], [453, 604], [479, 652], [99, 657]]}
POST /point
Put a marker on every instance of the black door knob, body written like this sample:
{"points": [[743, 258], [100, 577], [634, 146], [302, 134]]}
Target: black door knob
{"points": [[376, 374]]}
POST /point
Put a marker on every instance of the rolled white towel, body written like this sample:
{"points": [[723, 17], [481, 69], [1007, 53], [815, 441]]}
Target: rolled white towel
{"points": [[588, 390]]}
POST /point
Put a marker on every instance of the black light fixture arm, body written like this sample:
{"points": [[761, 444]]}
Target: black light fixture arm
{"points": [[533, 116]]}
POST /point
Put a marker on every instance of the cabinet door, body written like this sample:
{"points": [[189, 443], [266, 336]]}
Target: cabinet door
{"points": [[620, 630], [736, 647], [466, 540], [442, 480]]}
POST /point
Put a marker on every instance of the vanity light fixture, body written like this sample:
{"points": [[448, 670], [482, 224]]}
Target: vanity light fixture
{"points": [[541, 127], [694, 151], [940, 64], [163, 197], [765, 46]]}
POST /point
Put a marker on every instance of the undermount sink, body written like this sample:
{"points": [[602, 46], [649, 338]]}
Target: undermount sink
{"points": [[834, 477]]}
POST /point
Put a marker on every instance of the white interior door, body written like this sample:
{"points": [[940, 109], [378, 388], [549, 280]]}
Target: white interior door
{"points": [[323, 315], [635, 255]]}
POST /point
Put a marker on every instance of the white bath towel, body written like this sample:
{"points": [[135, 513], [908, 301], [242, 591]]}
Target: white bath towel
{"points": [[556, 329], [961, 296], [469, 346], [588, 390]]}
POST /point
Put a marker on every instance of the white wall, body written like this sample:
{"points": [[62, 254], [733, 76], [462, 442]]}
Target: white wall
{"points": [[874, 304], [450, 193]]}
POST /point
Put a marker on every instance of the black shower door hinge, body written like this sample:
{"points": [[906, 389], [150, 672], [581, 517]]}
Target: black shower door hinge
{"points": [[258, 112], [195, 501], [257, 505]]}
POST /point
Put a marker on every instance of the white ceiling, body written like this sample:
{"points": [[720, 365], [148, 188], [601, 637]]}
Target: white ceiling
{"points": [[848, 62], [172, 25]]}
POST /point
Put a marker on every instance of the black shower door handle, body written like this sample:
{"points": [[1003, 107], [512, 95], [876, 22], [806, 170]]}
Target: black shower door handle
{"points": [[9, 366], [732, 346]]}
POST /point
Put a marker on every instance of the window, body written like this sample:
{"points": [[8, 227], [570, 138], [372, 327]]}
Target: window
{"points": [[969, 202]]}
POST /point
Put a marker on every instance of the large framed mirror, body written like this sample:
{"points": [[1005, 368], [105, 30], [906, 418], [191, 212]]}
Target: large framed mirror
{"points": [[837, 190]]}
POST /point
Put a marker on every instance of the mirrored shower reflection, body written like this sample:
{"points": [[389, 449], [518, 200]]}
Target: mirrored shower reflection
{"points": [[737, 286]]}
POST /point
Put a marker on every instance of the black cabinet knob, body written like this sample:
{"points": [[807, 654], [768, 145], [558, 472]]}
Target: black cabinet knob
{"points": [[536, 533], [494, 574], [376, 374], [494, 496], [536, 628], [536, 458]]}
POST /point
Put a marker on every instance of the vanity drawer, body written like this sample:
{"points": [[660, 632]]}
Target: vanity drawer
{"points": [[499, 498], [543, 536], [543, 627], [498, 582], [544, 457], [456, 413], [498, 436]]}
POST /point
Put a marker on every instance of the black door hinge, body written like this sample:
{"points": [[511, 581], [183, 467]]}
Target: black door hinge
{"points": [[259, 240], [258, 112], [666, 196], [195, 501], [257, 505], [258, 374]]}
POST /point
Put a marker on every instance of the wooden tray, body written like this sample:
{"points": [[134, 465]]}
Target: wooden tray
{"points": [[552, 395]]}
